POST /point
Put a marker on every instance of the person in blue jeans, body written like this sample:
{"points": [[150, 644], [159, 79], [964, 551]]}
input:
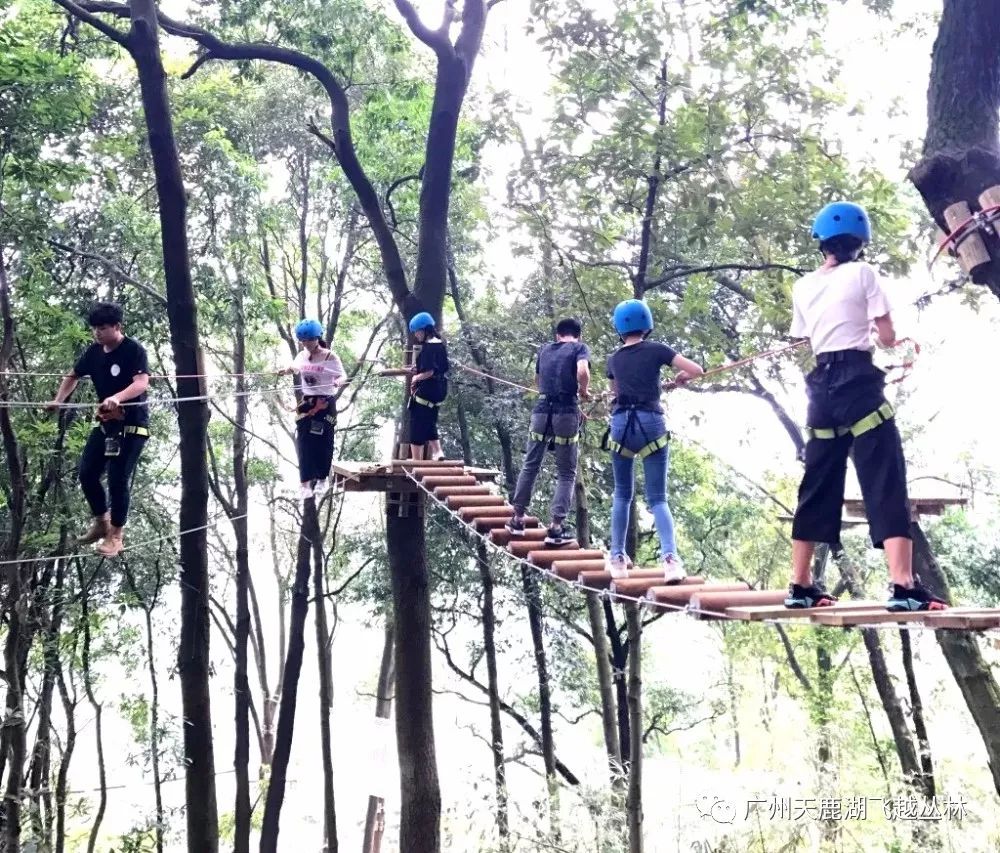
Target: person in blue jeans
{"points": [[639, 431]]}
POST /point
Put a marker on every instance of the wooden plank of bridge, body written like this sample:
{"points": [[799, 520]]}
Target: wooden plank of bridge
{"points": [[463, 501], [637, 585], [755, 613], [442, 492], [844, 618], [488, 525], [717, 602], [681, 594], [545, 558], [439, 471], [435, 482], [522, 550], [600, 578], [961, 619], [504, 537], [474, 512]]}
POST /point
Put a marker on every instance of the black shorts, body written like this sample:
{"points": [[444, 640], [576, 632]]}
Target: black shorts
{"points": [[844, 388], [423, 422]]}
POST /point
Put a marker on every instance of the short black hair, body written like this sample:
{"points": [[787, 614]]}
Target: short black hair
{"points": [[104, 314], [569, 327], [844, 247]]}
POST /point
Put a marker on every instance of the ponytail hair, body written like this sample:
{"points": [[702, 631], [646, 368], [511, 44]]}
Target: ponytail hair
{"points": [[845, 248], [323, 343]]}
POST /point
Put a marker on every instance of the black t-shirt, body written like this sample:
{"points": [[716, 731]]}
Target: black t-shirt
{"points": [[636, 371], [433, 356], [114, 371], [555, 368]]}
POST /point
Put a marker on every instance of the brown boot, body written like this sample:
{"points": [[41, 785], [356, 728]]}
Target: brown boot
{"points": [[112, 545], [98, 530]]}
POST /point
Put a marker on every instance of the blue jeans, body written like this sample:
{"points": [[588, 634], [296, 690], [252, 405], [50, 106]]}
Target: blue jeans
{"points": [[646, 427]]}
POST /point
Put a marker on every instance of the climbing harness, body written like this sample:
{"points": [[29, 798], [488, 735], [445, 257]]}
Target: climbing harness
{"points": [[651, 445], [883, 414], [420, 401], [548, 431]]}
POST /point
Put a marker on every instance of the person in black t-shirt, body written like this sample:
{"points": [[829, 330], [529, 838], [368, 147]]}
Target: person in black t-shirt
{"points": [[639, 431], [562, 376], [120, 372], [428, 388]]}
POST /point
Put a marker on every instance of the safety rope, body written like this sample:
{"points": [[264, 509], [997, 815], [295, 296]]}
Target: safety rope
{"points": [[155, 401], [144, 544]]}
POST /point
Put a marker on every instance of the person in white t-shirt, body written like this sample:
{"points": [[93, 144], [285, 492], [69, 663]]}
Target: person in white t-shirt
{"points": [[838, 307], [322, 375]]}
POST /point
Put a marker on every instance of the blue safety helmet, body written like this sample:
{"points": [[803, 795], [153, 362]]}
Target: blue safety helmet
{"points": [[423, 320], [842, 218], [308, 330], [632, 315]]}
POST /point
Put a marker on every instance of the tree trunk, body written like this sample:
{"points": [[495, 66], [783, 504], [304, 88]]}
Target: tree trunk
{"points": [[925, 777], [325, 662], [241, 638], [606, 688], [961, 154], [374, 820], [973, 675], [88, 685], [193, 660], [496, 728], [420, 792], [308, 536], [633, 617], [69, 712], [619, 660]]}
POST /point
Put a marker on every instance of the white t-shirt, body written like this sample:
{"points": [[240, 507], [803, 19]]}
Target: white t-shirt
{"points": [[319, 378], [835, 307]]}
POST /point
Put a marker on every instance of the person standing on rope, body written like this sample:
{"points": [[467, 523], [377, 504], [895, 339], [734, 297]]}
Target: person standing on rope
{"points": [[119, 369], [322, 375], [428, 388], [562, 376], [837, 308], [639, 431]]}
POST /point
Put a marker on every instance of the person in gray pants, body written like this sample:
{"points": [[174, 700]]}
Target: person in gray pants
{"points": [[562, 377]]}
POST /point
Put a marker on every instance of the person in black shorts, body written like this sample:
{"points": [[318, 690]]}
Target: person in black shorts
{"points": [[428, 388], [119, 369], [562, 376]]}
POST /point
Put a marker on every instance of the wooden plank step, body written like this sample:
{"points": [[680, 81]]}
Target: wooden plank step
{"points": [[681, 594], [409, 464], [842, 618], [962, 619], [521, 550], [574, 569], [440, 471], [463, 501], [717, 602], [503, 537], [758, 612], [443, 492], [544, 559], [636, 585], [473, 512], [489, 524], [599, 578], [433, 483]]}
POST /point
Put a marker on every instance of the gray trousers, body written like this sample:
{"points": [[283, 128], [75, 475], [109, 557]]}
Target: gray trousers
{"points": [[563, 426]]}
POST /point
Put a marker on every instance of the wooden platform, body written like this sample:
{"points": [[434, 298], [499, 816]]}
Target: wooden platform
{"points": [[392, 476]]}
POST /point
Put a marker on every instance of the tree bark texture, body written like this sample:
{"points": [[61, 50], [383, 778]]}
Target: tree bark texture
{"points": [[325, 662], [925, 777], [961, 650], [375, 819], [420, 791], [493, 683], [633, 617], [192, 420], [961, 154], [308, 536]]}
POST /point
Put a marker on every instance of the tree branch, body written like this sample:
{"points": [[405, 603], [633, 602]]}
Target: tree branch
{"points": [[112, 267], [437, 39], [83, 13], [684, 270]]}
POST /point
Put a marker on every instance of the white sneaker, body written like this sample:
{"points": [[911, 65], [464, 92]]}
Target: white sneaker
{"points": [[321, 488], [673, 569], [618, 565], [305, 491]]}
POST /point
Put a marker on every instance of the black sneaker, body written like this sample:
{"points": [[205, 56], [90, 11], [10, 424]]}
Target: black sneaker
{"points": [[913, 598], [558, 535], [802, 597], [515, 525]]}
